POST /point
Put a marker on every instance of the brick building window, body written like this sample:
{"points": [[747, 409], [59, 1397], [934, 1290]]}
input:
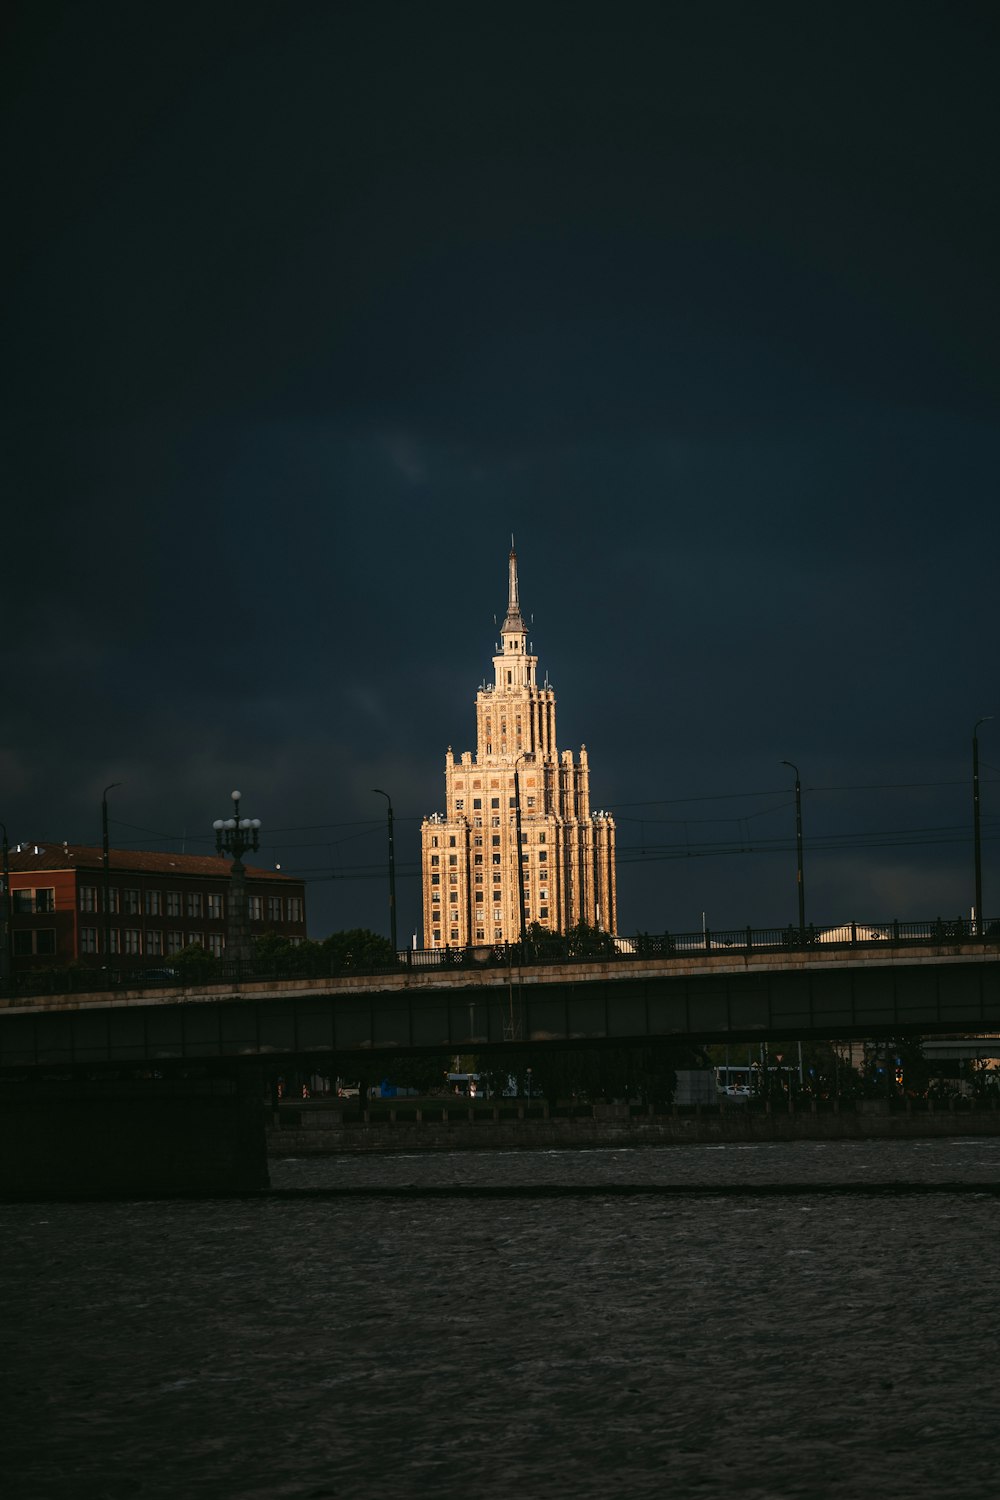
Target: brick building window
{"points": [[194, 904], [175, 942], [255, 906], [214, 912], [295, 912], [130, 898], [173, 903], [274, 908], [196, 940], [154, 903], [133, 940], [154, 942], [215, 944], [88, 898]]}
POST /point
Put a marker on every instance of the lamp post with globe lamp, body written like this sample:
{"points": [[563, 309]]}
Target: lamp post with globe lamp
{"points": [[237, 836]]}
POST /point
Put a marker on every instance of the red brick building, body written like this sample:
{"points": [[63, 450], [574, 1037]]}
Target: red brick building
{"points": [[157, 905]]}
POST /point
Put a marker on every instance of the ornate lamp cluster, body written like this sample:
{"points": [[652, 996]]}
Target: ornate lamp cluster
{"points": [[236, 836]]}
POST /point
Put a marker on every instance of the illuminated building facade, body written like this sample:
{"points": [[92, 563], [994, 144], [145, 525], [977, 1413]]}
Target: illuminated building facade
{"points": [[517, 843]]}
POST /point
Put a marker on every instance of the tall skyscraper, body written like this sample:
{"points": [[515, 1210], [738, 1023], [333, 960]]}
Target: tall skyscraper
{"points": [[519, 808]]}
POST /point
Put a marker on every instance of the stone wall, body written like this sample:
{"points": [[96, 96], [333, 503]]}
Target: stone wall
{"points": [[321, 1132]]}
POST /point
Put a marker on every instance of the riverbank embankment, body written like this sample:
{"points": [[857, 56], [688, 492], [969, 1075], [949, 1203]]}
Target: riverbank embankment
{"points": [[317, 1128]]}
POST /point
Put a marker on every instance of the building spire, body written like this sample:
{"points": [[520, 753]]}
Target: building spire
{"points": [[514, 620]]}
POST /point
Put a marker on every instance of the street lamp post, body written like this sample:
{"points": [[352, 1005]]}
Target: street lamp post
{"points": [[519, 861], [976, 831], [6, 964], [237, 836], [392, 871], [798, 849], [106, 867]]}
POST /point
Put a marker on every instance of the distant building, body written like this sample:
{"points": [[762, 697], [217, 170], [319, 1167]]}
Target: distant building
{"points": [[157, 905], [520, 808]]}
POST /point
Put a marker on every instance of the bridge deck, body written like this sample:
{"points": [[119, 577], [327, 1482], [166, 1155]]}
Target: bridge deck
{"points": [[711, 996]]}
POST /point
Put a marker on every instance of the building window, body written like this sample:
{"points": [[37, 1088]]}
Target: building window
{"points": [[531, 801], [196, 940], [478, 841], [435, 860], [494, 801], [454, 934], [495, 840], [133, 941], [115, 941], [434, 841], [459, 804], [435, 880], [274, 908], [214, 912], [477, 804], [88, 939], [22, 902], [495, 822], [215, 944], [194, 903], [255, 906], [437, 934], [45, 899], [295, 912], [479, 934], [453, 859], [453, 879], [88, 898], [541, 838], [112, 904], [153, 904], [477, 859], [130, 902], [543, 912], [479, 894], [154, 943], [175, 942], [173, 903], [435, 896], [451, 841], [496, 859], [22, 944], [542, 856]]}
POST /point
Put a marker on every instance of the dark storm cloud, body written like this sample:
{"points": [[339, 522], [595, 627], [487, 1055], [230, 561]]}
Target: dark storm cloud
{"points": [[310, 308]]}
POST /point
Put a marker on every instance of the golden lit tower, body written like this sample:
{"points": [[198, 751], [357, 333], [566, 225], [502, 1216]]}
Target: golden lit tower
{"points": [[519, 805]]}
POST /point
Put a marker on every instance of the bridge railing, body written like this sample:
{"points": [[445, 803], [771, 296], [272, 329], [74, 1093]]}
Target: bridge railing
{"points": [[554, 948]]}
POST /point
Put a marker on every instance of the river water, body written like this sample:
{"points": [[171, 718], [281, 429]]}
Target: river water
{"points": [[770, 1320]]}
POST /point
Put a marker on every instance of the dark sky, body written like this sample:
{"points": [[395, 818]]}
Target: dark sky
{"points": [[309, 307]]}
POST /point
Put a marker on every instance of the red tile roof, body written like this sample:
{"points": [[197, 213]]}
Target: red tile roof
{"points": [[28, 856]]}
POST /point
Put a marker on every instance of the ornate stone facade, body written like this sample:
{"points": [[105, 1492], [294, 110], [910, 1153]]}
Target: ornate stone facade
{"points": [[518, 795]]}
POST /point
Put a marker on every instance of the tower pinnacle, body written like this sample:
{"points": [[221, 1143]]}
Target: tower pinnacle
{"points": [[513, 620]]}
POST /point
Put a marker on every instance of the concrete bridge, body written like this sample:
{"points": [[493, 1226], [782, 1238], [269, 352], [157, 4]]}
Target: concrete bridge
{"points": [[162, 1090], [875, 990]]}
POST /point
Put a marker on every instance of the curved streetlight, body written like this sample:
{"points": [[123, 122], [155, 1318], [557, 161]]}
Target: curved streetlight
{"points": [[798, 848], [106, 867], [237, 836], [976, 833], [392, 872], [6, 962]]}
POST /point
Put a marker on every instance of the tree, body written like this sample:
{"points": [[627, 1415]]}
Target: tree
{"points": [[358, 948]]}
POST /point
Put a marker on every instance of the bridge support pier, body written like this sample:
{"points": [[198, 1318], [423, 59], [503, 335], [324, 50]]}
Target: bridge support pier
{"points": [[123, 1137]]}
